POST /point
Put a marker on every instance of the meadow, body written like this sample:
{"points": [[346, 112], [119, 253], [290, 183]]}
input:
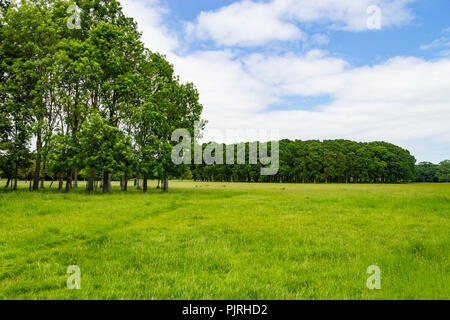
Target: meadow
{"points": [[212, 240]]}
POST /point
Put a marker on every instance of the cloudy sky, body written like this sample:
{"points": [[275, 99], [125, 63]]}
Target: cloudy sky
{"points": [[364, 70]]}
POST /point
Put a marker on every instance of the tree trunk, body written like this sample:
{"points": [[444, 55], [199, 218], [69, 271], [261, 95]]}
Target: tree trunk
{"points": [[105, 183], [165, 185], [7, 183], [75, 178], [69, 180], [109, 182], [44, 166], [16, 173], [157, 187], [91, 180], [144, 185], [125, 182], [37, 171], [60, 182]]}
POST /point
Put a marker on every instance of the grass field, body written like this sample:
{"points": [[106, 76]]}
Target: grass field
{"points": [[228, 241]]}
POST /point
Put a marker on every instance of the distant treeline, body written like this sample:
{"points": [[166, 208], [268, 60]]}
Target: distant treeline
{"points": [[317, 161], [430, 172], [329, 161]]}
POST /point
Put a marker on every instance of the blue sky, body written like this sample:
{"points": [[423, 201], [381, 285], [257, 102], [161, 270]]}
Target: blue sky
{"points": [[430, 18], [313, 69]]}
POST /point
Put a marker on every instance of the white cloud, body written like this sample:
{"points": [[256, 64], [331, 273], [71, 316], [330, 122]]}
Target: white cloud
{"points": [[227, 91], [150, 17], [250, 23], [291, 74], [320, 39], [402, 98], [245, 23], [440, 42], [347, 15]]}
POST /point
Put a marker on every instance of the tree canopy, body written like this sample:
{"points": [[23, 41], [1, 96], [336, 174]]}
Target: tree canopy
{"points": [[87, 94], [322, 161]]}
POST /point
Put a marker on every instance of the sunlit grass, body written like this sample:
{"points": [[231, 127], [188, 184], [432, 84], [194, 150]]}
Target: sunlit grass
{"points": [[228, 241]]}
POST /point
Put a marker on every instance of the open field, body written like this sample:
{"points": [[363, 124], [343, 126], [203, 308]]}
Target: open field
{"points": [[228, 241]]}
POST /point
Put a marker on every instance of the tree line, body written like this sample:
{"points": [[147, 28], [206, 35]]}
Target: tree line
{"points": [[80, 95], [339, 161], [430, 172]]}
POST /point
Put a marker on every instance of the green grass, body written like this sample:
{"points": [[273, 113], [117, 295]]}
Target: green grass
{"points": [[228, 241]]}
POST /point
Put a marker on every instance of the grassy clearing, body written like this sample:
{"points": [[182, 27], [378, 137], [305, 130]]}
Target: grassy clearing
{"points": [[228, 241]]}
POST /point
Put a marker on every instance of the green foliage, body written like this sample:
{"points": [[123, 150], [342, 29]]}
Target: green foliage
{"points": [[426, 172], [4, 6], [63, 153], [52, 78], [429, 172], [443, 171], [103, 148], [327, 161]]}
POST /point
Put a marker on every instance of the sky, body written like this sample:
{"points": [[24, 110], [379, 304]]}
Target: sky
{"points": [[364, 70]]}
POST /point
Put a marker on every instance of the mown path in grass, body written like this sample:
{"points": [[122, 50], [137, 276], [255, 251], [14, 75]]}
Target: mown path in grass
{"points": [[228, 241]]}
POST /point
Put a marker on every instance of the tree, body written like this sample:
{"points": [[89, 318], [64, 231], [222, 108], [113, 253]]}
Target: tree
{"points": [[14, 151], [4, 4], [145, 119], [63, 150], [28, 58], [426, 172], [15, 116], [177, 106], [443, 170], [104, 149]]}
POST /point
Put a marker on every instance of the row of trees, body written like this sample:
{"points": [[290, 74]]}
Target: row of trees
{"points": [[299, 161], [80, 94], [430, 172], [316, 161]]}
